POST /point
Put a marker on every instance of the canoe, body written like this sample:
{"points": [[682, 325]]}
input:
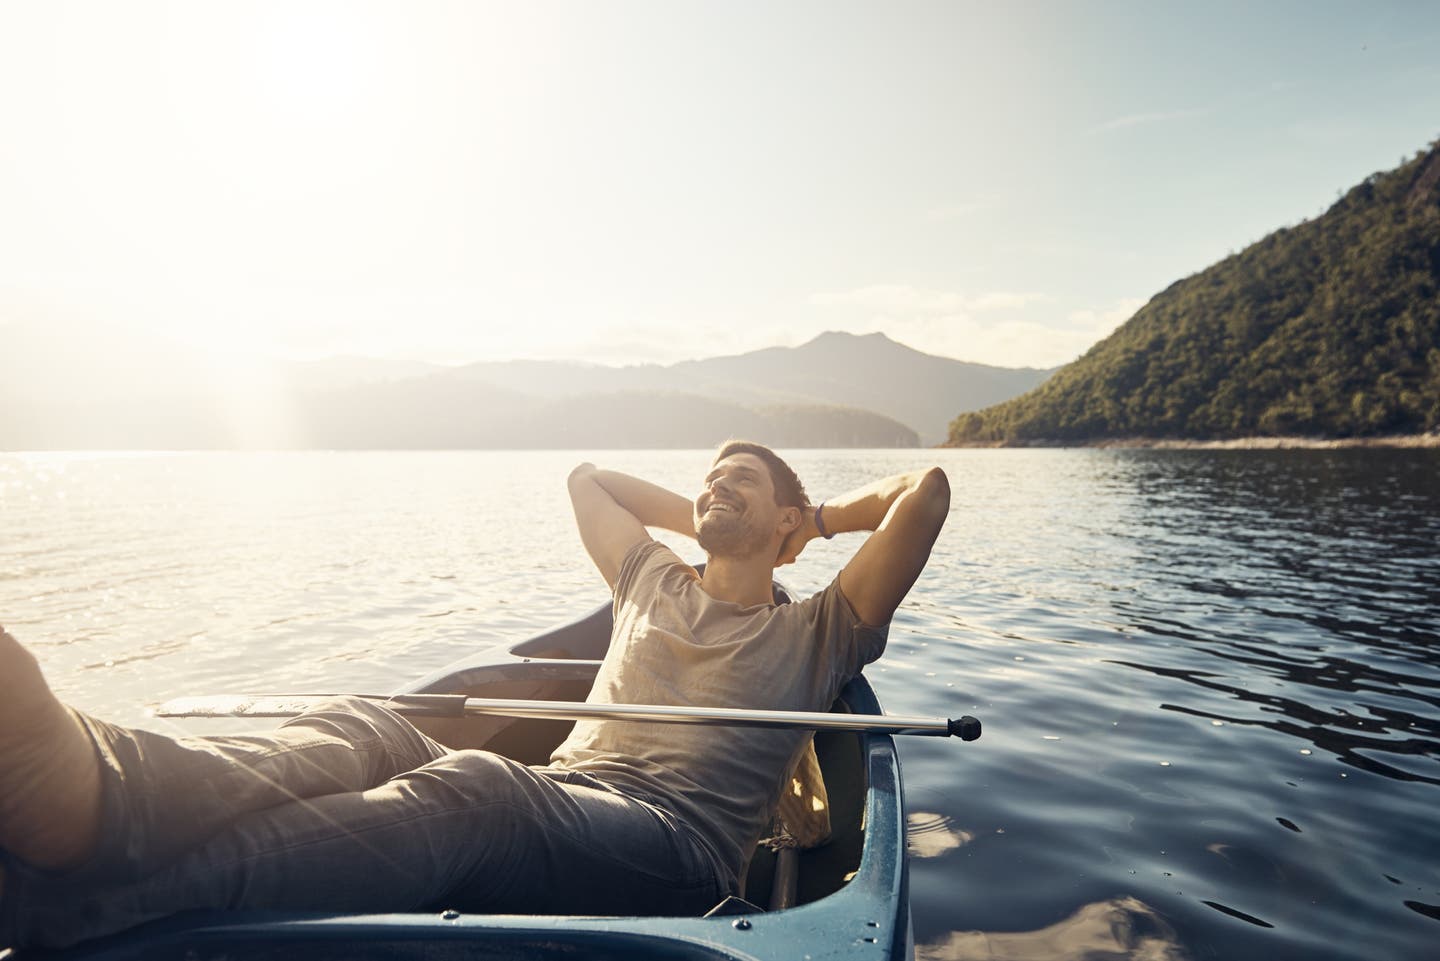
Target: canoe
{"points": [[847, 898]]}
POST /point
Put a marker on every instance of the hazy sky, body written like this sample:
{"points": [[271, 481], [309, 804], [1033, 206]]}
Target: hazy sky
{"points": [[626, 182]]}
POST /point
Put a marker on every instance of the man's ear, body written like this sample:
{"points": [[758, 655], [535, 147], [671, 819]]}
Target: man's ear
{"points": [[790, 519]]}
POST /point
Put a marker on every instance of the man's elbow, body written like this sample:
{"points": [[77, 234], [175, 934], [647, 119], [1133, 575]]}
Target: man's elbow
{"points": [[935, 486], [580, 472], [933, 493]]}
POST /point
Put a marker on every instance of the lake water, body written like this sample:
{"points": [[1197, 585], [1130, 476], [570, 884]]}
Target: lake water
{"points": [[1210, 680]]}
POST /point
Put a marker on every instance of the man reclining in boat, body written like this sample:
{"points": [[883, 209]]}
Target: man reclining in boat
{"points": [[350, 808]]}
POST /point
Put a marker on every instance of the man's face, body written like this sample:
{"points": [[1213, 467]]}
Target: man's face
{"points": [[736, 514]]}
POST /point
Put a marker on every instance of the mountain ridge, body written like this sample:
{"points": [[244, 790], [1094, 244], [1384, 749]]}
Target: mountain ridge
{"points": [[835, 368], [61, 389]]}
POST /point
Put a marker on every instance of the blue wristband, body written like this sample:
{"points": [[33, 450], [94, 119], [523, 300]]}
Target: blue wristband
{"points": [[820, 524]]}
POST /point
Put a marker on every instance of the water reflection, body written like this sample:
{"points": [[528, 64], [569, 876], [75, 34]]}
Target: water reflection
{"points": [[1237, 915], [931, 835], [1118, 928], [1317, 573], [1208, 634]]}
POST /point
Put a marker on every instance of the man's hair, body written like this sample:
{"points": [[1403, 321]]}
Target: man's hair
{"points": [[789, 492]]}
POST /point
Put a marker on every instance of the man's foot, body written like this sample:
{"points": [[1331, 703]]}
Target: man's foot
{"points": [[49, 775]]}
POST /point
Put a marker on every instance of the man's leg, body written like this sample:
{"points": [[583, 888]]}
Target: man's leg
{"points": [[50, 788], [471, 830], [113, 804], [165, 795]]}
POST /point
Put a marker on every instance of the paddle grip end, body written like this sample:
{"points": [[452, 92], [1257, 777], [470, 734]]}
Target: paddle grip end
{"points": [[966, 728]]}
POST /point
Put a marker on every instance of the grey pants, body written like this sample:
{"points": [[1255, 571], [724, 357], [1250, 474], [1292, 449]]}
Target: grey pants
{"points": [[350, 808]]}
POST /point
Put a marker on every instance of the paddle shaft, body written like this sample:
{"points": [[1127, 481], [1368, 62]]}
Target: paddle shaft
{"points": [[458, 705]]}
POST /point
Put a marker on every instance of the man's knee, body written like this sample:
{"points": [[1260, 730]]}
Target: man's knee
{"points": [[369, 727], [348, 716], [484, 779]]}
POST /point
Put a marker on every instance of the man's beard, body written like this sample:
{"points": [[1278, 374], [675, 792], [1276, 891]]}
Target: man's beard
{"points": [[729, 536]]}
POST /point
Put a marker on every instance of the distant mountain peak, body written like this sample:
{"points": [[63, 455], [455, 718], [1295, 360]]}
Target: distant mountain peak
{"points": [[845, 337]]}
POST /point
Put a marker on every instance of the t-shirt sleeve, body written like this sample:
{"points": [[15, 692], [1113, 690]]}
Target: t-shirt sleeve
{"points": [[854, 642], [644, 560]]}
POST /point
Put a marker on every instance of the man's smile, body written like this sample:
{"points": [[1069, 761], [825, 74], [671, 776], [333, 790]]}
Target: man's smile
{"points": [[719, 503]]}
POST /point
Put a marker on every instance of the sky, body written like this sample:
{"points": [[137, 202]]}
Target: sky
{"points": [[628, 182]]}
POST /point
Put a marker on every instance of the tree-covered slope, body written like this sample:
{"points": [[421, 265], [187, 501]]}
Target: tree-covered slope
{"points": [[1327, 329]]}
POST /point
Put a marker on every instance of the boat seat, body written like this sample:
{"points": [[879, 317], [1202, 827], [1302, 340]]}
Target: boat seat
{"points": [[802, 822], [787, 874]]}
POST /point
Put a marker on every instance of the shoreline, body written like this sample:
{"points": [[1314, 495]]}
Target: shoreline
{"points": [[1397, 441]]}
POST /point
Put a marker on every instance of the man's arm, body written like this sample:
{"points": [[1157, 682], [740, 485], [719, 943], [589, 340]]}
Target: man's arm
{"points": [[906, 512], [612, 511]]}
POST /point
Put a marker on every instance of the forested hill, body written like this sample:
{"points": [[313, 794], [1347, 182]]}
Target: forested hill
{"points": [[1327, 329]]}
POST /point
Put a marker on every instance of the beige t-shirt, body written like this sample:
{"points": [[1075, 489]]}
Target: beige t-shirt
{"points": [[674, 644]]}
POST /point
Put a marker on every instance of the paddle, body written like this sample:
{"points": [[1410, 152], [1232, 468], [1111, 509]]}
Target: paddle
{"points": [[458, 705]]}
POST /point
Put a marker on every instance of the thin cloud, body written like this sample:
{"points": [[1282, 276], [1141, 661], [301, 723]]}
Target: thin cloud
{"points": [[1140, 119], [1328, 131], [989, 328], [892, 298], [628, 345], [955, 211], [905, 299], [1100, 322], [1008, 300]]}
